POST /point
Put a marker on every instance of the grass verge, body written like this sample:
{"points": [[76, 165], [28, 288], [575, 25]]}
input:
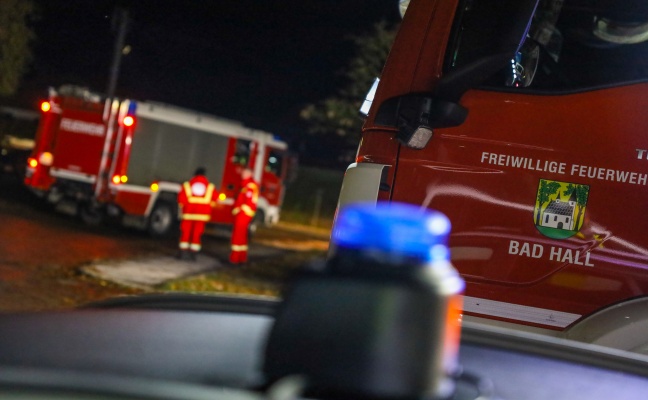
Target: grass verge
{"points": [[263, 278]]}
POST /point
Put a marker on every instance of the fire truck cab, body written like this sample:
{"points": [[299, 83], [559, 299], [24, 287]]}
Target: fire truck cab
{"points": [[524, 122], [127, 159]]}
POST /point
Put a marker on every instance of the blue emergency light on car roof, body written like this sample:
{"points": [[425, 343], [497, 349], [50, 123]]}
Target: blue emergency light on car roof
{"points": [[393, 228]]}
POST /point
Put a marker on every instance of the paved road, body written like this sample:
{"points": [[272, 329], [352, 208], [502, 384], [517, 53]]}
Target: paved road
{"points": [[52, 261]]}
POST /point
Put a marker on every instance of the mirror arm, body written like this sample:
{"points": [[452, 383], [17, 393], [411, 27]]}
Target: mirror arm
{"points": [[457, 82]]}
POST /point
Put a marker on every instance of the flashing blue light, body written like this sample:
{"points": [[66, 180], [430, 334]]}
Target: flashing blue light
{"points": [[394, 228], [132, 108]]}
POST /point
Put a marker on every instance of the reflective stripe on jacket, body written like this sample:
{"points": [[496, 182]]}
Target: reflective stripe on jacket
{"points": [[247, 199], [196, 198]]}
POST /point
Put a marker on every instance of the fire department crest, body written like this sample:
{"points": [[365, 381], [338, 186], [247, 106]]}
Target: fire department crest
{"points": [[560, 208]]}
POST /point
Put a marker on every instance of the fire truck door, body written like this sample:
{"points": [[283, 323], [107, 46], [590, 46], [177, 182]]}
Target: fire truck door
{"points": [[545, 180], [239, 153]]}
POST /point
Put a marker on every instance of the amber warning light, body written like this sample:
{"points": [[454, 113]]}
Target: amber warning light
{"points": [[117, 179], [46, 106]]}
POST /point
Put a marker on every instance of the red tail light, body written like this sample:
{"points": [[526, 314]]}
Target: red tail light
{"points": [[46, 106]]}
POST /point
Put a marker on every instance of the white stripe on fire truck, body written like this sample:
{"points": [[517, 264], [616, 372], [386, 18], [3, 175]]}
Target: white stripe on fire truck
{"points": [[130, 188], [125, 187], [170, 187], [77, 176], [519, 312]]}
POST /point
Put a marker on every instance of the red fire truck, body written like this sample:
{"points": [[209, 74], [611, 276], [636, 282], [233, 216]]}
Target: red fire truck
{"points": [[525, 122], [127, 159]]}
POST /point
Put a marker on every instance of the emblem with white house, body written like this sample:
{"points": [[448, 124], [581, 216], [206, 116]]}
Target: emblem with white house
{"points": [[560, 208]]}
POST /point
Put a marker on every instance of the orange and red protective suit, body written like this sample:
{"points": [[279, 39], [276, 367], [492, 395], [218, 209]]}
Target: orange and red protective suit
{"points": [[195, 200], [244, 210]]}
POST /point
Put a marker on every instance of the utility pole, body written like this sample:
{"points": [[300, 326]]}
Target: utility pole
{"points": [[121, 21]]}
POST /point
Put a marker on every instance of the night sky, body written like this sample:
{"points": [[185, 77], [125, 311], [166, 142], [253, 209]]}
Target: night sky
{"points": [[256, 61]]}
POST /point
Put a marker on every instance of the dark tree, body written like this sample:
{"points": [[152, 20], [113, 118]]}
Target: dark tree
{"points": [[582, 192], [338, 115], [15, 38]]}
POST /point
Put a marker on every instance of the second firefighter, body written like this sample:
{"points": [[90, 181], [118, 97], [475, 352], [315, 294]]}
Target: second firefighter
{"points": [[243, 211]]}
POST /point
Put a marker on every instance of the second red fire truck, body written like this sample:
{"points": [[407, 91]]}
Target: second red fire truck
{"points": [[127, 159]]}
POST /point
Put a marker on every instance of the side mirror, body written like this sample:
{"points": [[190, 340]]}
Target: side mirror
{"points": [[416, 115]]}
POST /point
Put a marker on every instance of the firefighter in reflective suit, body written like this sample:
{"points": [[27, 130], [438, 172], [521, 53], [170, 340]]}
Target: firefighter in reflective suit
{"points": [[195, 201], [243, 211]]}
